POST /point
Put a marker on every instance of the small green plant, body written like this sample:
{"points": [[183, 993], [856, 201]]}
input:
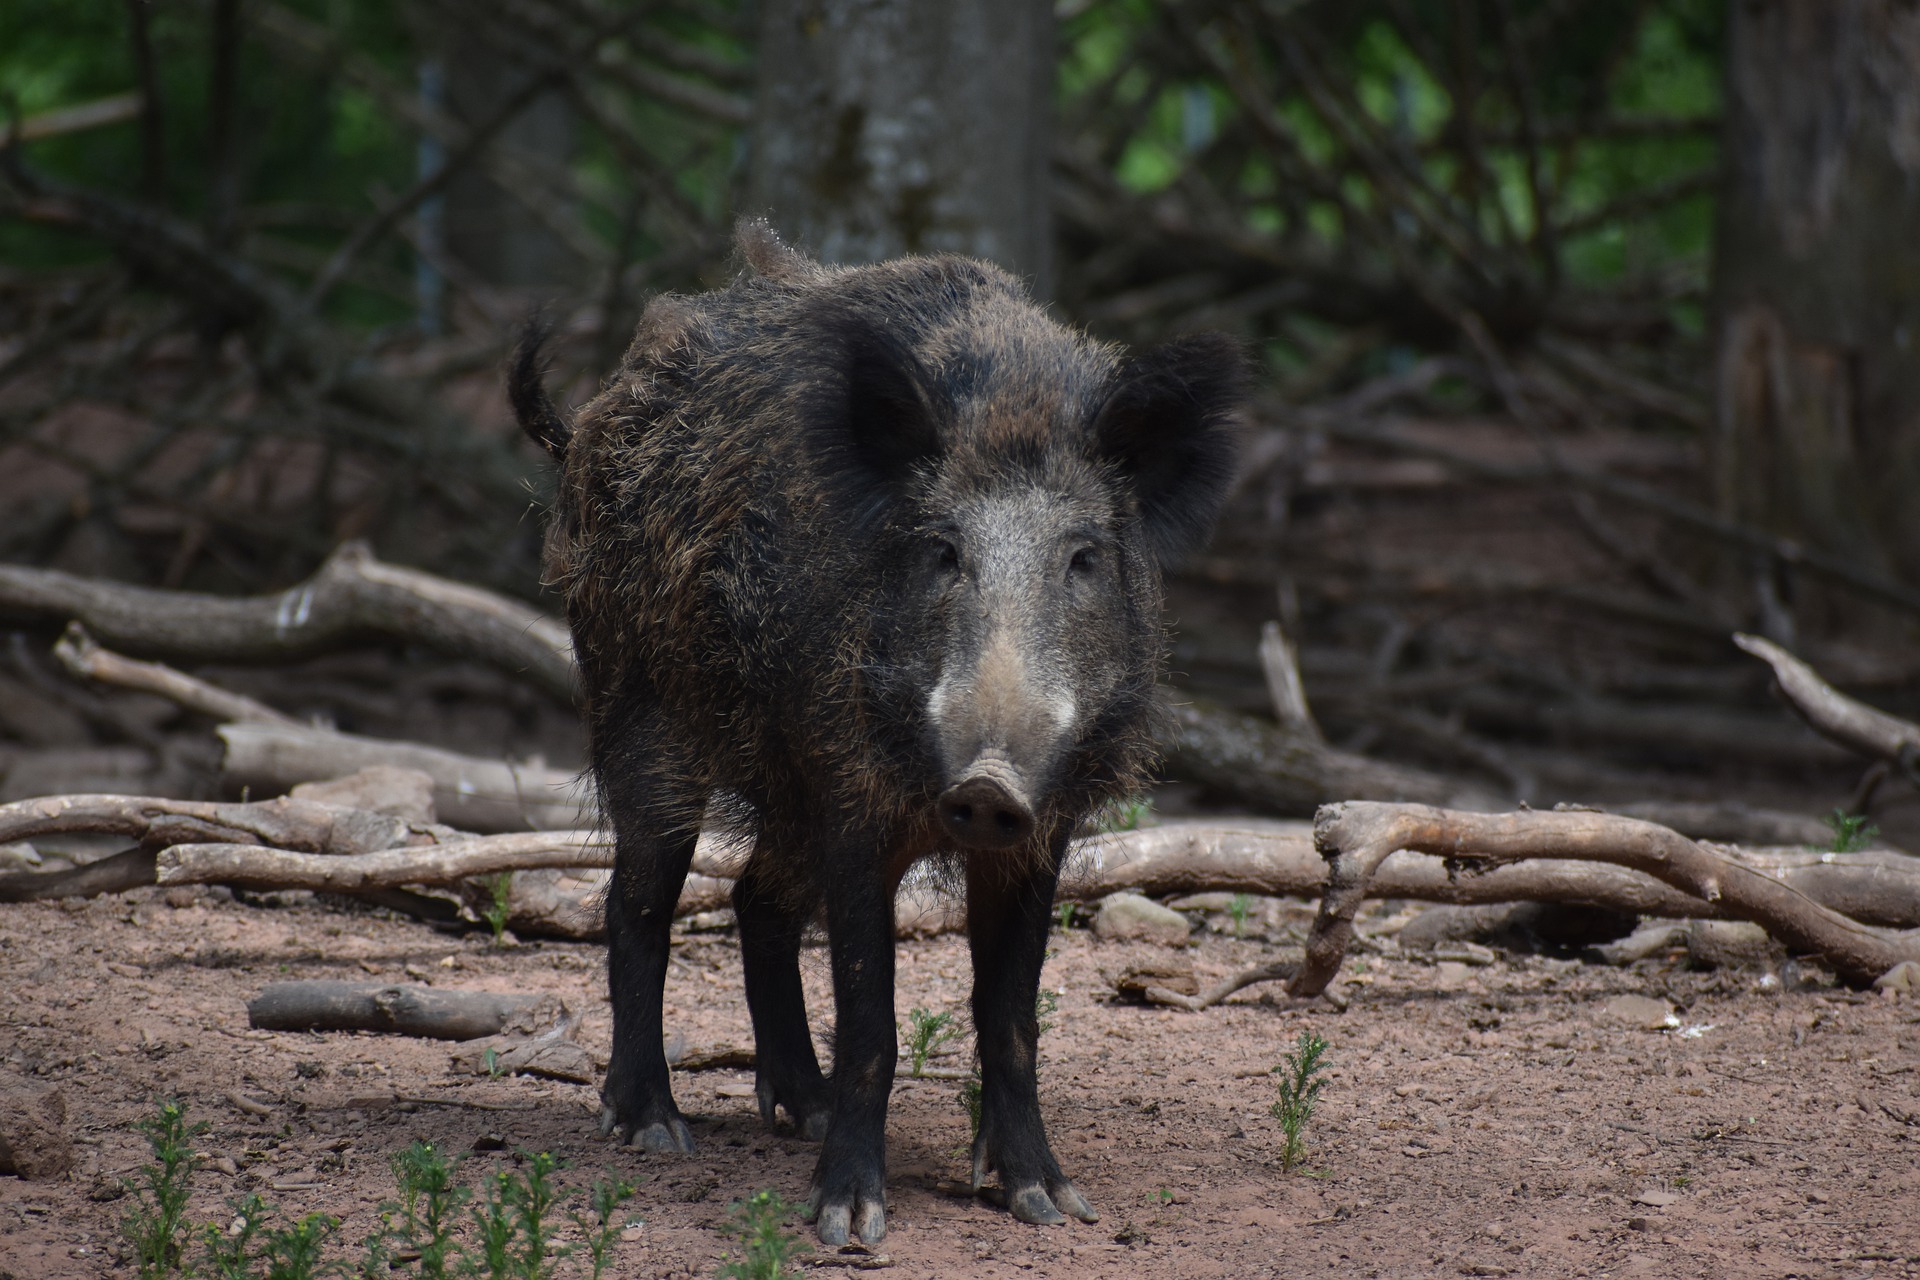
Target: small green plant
{"points": [[157, 1224], [1238, 907], [600, 1227], [293, 1252], [500, 898], [429, 1206], [970, 1099], [1851, 832], [493, 1218], [759, 1224], [927, 1031], [1045, 1005], [1126, 815], [1300, 1082], [1066, 913], [228, 1249], [492, 1060]]}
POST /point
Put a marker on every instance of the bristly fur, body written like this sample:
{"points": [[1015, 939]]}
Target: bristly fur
{"points": [[736, 503]]}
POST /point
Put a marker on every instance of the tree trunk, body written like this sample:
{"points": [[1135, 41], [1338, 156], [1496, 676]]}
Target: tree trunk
{"points": [[884, 127], [1818, 276]]}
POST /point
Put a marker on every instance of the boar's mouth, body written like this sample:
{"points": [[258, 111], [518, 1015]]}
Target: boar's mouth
{"points": [[988, 808]]}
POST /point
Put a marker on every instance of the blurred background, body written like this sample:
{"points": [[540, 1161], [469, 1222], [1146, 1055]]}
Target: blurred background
{"points": [[1586, 333]]}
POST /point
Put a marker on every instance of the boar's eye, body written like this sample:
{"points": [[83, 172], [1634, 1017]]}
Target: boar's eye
{"points": [[1084, 562], [946, 556]]}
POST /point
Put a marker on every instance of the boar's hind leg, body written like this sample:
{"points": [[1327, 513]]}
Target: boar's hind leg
{"points": [[1009, 908], [849, 1183], [789, 1073], [651, 856]]}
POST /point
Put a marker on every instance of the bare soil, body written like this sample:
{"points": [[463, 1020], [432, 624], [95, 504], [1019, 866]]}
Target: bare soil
{"points": [[1489, 1121]]}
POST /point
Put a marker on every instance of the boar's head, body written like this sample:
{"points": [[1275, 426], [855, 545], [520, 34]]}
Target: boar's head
{"points": [[1023, 487]]}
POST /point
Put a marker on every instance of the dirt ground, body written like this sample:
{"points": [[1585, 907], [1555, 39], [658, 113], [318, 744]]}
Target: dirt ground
{"points": [[1496, 1120]]}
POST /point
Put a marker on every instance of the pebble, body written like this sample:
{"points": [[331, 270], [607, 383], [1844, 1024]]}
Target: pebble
{"points": [[1128, 916], [1642, 1012]]}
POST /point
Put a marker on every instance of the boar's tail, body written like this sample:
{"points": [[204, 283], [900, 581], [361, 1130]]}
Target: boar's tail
{"points": [[526, 388]]}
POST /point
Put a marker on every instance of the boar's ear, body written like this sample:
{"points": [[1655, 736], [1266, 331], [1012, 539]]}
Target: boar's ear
{"points": [[1171, 425], [880, 425]]}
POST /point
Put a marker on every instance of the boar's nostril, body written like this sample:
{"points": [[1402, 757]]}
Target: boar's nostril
{"points": [[983, 813]]}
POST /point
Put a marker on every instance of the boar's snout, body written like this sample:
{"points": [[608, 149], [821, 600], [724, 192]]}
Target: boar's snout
{"points": [[987, 809]]}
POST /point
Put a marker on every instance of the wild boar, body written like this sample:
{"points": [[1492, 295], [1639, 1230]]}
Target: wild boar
{"points": [[867, 561]]}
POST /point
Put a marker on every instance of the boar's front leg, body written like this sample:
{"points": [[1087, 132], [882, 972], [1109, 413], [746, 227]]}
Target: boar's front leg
{"points": [[1009, 908], [652, 850], [849, 1183]]}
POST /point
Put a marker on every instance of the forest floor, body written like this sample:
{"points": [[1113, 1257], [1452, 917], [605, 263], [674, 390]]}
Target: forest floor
{"points": [[1501, 1120]]}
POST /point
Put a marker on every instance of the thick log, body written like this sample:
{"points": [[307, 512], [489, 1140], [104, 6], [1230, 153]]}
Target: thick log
{"points": [[1356, 838], [405, 1010]]}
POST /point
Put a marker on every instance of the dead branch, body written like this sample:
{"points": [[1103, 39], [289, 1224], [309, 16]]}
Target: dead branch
{"points": [[251, 866], [352, 596], [1277, 859], [469, 792], [1287, 773], [1832, 714], [288, 822], [1356, 838], [84, 656], [406, 1010]]}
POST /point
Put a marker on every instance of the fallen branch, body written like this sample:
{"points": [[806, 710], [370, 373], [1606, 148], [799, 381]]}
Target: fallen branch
{"points": [[411, 1011], [1356, 838], [85, 657], [1833, 715], [351, 597], [250, 866], [472, 793], [1279, 772]]}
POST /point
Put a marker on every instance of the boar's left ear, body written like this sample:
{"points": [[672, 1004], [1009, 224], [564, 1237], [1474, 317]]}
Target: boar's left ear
{"points": [[866, 416], [1171, 425]]}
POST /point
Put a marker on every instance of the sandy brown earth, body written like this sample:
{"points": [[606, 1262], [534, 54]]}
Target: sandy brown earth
{"points": [[1499, 1120]]}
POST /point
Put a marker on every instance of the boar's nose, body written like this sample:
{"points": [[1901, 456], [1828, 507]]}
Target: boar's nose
{"points": [[987, 809]]}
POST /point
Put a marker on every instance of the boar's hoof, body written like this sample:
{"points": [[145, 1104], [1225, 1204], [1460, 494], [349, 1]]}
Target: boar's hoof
{"points": [[983, 812], [1046, 1205], [810, 1118], [839, 1217], [670, 1134]]}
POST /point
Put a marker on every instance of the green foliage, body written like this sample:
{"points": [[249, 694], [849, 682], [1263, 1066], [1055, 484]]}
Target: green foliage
{"points": [[600, 1227], [228, 1251], [926, 1032], [510, 1233], [156, 1226], [1126, 815], [499, 901], [969, 1094], [1299, 1085], [1851, 832], [429, 1205], [1238, 907], [759, 1224], [1045, 1005], [294, 1252]]}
